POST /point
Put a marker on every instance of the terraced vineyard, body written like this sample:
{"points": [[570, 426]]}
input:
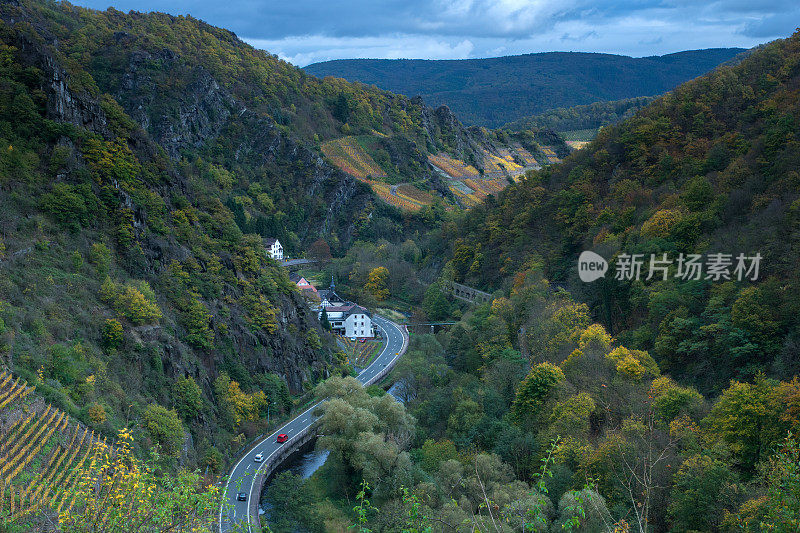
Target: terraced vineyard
{"points": [[411, 193], [41, 453], [550, 154], [495, 165], [361, 353], [472, 187], [526, 156], [347, 154], [454, 168]]}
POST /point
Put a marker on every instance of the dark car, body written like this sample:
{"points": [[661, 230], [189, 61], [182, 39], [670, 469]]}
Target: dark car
{"points": [[283, 437], [242, 496]]}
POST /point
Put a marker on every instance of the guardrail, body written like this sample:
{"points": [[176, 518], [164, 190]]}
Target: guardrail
{"points": [[269, 466], [388, 368], [298, 440]]}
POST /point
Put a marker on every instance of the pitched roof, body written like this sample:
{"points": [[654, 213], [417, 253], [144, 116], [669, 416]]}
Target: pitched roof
{"points": [[269, 241], [347, 309], [294, 278], [331, 296]]}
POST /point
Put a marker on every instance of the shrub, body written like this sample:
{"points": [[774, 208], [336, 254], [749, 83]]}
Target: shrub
{"points": [[97, 414], [164, 427], [112, 334], [133, 301], [100, 257], [188, 398], [312, 337]]}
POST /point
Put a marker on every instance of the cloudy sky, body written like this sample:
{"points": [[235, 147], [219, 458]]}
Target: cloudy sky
{"points": [[307, 31]]}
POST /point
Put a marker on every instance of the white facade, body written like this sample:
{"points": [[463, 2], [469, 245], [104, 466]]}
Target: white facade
{"points": [[349, 321], [274, 249], [358, 325]]}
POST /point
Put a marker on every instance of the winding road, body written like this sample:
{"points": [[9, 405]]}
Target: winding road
{"points": [[244, 472]]}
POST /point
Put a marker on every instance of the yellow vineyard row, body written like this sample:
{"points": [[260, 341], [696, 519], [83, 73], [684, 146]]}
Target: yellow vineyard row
{"points": [[39, 438], [351, 158]]}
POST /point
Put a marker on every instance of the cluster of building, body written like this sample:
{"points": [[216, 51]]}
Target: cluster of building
{"points": [[346, 318]]}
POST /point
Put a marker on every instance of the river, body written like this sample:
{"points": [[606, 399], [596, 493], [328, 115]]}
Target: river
{"points": [[306, 461]]}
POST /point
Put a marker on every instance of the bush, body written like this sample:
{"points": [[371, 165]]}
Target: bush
{"points": [[136, 302], [100, 257], [164, 428], [188, 397], [70, 205], [112, 334]]}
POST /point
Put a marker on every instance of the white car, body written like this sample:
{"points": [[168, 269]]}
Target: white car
{"points": [[259, 457], [353, 339]]}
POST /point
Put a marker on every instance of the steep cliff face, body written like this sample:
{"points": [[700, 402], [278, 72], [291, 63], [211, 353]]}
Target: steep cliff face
{"points": [[125, 268]]}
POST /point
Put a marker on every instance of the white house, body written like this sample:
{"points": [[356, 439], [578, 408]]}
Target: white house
{"points": [[350, 320], [274, 248]]}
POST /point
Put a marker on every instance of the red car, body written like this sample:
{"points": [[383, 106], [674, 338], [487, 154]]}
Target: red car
{"points": [[283, 437]]}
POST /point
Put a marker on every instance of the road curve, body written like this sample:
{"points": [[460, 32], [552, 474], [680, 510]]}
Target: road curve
{"points": [[244, 472]]}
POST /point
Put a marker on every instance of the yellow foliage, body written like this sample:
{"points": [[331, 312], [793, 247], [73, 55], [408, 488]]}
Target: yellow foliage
{"points": [[245, 406], [661, 223], [119, 493], [595, 337], [633, 363]]}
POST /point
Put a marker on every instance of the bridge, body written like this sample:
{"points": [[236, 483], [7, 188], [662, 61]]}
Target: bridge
{"points": [[297, 262], [423, 327], [249, 477], [466, 293]]}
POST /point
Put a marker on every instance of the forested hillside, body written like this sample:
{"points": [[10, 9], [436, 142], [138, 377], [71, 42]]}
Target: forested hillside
{"points": [[581, 122], [144, 159], [709, 168], [492, 92], [659, 405], [129, 291]]}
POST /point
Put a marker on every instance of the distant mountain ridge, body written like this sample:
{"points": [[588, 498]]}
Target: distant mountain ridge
{"points": [[494, 91]]}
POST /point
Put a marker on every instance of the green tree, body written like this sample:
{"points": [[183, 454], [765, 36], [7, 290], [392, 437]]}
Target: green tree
{"points": [[293, 505], [748, 417], [434, 453], [111, 334], [313, 340], [165, 428], [197, 320], [326, 324], [534, 390], [703, 488], [435, 303], [188, 397], [100, 257]]}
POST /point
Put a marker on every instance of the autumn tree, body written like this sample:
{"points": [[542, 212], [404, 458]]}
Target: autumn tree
{"points": [[534, 390], [378, 283], [121, 493]]}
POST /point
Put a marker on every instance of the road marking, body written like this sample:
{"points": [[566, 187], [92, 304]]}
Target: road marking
{"points": [[284, 428]]}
